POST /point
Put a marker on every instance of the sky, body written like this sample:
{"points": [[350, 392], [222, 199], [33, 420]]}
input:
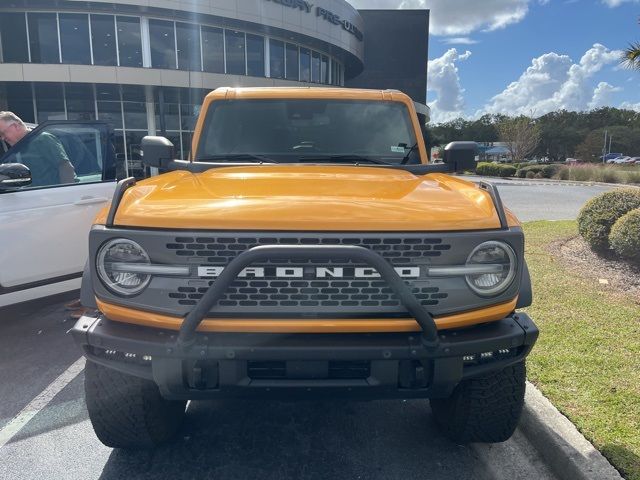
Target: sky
{"points": [[526, 57]]}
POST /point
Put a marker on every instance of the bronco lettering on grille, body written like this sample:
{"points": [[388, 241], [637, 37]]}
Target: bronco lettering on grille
{"points": [[309, 272]]}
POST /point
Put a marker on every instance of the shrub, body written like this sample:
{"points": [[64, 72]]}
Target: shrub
{"points": [[625, 236], [548, 171], [599, 214], [530, 174], [495, 169], [539, 175], [562, 174], [507, 170]]}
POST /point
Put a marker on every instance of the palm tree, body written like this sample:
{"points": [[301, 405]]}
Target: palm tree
{"points": [[631, 56]]}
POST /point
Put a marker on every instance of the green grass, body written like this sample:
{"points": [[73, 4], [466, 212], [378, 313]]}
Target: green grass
{"points": [[587, 359]]}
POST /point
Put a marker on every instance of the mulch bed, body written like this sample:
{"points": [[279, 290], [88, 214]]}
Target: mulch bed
{"points": [[610, 273]]}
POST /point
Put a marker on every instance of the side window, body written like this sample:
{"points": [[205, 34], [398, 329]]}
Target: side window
{"points": [[65, 154]]}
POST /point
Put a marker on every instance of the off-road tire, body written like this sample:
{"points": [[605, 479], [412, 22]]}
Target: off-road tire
{"points": [[483, 409], [127, 411]]}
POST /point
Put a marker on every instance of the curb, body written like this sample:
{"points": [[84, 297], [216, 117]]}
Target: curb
{"points": [[564, 449]]}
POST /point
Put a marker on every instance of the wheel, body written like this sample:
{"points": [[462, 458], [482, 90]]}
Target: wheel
{"points": [[483, 409], [127, 411]]}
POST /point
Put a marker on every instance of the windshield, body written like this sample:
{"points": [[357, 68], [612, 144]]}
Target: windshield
{"points": [[290, 130]]}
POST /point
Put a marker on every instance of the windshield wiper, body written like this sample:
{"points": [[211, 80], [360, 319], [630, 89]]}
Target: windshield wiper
{"points": [[240, 157], [405, 159], [355, 159]]}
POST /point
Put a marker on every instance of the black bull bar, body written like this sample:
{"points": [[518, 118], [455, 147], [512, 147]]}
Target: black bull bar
{"points": [[429, 337]]}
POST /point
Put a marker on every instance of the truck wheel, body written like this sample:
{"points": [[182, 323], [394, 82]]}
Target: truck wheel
{"points": [[127, 411], [483, 409]]}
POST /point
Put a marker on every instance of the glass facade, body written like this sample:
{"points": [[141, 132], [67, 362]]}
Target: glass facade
{"points": [[276, 60], [74, 38], [292, 63], [188, 43], [103, 40], [163, 44], [116, 40], [13, 37], [235, 52], [213, 49], [255, 55], [43, 37], [129, 41]]}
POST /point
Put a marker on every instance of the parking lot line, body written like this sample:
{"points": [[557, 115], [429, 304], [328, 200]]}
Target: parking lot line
{"points": [[41, 401]]}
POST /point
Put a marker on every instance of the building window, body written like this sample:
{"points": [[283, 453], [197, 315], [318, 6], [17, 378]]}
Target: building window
{"points": [[103, 38], [80, 101], [74, 38], [276, 52], [129, 41], [255, 55], [305, 65], [109, 104], [43, 38], [324, 69], [163, 46], [315, 67], [292, 66], [49, 101], [188, 41], [213, 50], [13, 37], [19, 98], [235, 44]]}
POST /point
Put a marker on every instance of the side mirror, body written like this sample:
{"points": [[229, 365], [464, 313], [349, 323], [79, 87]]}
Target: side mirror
{"points": [[157, 152], [461, 156], [14, 175]]}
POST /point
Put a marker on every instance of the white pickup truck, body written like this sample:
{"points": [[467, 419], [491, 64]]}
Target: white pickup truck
{"points": [[44, 229]]}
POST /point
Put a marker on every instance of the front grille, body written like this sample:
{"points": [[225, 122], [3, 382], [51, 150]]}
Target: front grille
{"points": [[221, 250], [310, 296], [293, 293]]}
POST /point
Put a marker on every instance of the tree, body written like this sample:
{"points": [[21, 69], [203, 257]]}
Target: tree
{"points": [[520, 135], [631, 55]]}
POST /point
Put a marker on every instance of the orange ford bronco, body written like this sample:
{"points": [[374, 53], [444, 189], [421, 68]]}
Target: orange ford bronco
{"points": [[307, 248]]}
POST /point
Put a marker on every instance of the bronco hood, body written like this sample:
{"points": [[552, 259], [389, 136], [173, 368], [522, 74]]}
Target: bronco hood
{"points": [[307, 197]]}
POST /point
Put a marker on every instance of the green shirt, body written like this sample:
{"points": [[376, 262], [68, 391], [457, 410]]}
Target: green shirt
{"points": [[43, 156]]}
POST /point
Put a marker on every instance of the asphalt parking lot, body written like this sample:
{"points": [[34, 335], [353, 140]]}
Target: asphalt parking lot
{"points": [[45, 432]]}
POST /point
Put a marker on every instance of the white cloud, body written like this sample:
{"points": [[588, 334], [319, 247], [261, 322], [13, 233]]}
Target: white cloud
{"points": [[459, 41], [459, 17], [602, 95], [443, 79], [617, 3], [554, 82], [630, 106]]}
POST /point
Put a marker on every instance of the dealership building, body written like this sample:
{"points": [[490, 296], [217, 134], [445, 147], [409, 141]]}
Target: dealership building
{"points": [[145, 65]]}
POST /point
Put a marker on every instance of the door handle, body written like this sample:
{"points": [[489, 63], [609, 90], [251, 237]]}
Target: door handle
{"points": [[90, 200]]}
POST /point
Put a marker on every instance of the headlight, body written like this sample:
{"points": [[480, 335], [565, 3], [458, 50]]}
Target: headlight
{"points": [[113, 258], [492, 253]]}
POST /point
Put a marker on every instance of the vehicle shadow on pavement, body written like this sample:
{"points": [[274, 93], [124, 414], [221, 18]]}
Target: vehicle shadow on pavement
{"points": [[240, 439]]}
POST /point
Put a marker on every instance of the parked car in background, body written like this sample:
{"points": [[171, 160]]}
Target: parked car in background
{"points": [[618, 160], [572, 160], [636, 160], [611, 156], [45, 228]]}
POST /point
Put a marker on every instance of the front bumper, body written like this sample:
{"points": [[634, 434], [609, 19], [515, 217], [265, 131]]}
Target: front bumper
{"points": [[368, 366]]}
